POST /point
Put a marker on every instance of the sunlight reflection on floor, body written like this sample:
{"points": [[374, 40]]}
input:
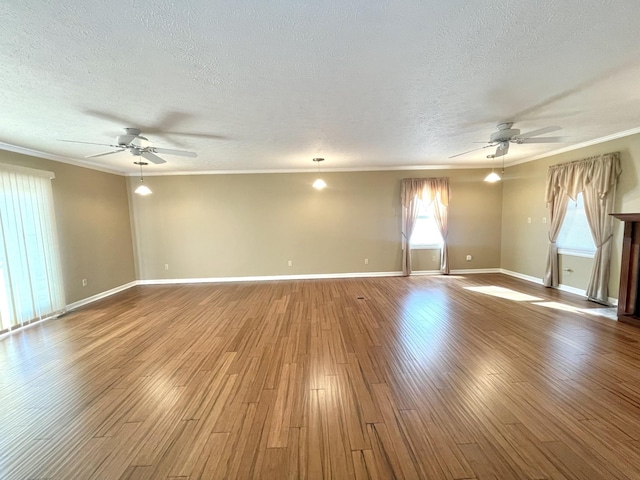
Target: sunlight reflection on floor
{"points": [[516, 296], [559, 306], [611, 312], [603, 312], [504, 293]]}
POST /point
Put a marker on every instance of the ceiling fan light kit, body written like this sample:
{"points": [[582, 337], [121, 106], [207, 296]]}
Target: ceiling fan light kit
{"points": [[142, 188], [493, 177], [501, 151], [319, 184]]}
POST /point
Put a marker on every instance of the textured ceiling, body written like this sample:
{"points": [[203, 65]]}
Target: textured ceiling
{"points": [[270, 85]]}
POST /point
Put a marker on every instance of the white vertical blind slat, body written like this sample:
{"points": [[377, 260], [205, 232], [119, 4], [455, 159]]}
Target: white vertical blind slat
{"points": [[31, 273]]}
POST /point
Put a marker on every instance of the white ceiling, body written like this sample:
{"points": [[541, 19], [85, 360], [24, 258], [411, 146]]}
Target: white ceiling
{"points": [[270, 85]]}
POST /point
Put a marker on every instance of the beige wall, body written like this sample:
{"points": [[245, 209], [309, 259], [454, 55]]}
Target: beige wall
{"points": [[206, 226], [94, 230], [524, 245]]}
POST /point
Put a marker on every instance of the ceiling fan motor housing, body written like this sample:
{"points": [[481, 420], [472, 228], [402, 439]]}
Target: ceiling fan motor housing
{"points": [[125, 139], [131, 135], [505, 133]]}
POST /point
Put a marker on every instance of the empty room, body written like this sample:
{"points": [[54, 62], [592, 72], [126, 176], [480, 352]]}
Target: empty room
{"points": [[331, 240]]}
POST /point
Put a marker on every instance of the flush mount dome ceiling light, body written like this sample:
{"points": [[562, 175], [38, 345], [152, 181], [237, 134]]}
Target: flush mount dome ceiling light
{"points": [[319, 184], [142, 188]]}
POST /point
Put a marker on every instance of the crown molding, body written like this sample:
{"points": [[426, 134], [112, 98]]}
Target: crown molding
{"points": [[315, 172], [56, 158], [84, 164], [577, 146]]}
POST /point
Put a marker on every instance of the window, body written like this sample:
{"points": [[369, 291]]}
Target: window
{"points": [[425, 231], [30, 279], [575, 236]]}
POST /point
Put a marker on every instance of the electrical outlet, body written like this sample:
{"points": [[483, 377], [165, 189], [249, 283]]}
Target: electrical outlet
{"points": [[166, 266], [290, 263], [84, 282], [366, 261], [528, 219], [469, 258], [544, 219]]}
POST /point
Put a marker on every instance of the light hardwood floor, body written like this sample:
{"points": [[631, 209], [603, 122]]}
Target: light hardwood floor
{"points": [[385, 378]]}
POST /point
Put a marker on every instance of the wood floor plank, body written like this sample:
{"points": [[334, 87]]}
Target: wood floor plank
{"points": [[281, 416], [400, 457], [571, 463], [421, 446], [209, 456], [485, 463], [442, 377], [378, 460]]}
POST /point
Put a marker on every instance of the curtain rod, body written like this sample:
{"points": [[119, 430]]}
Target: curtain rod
{"points": [[594, 157], [424, 178]]}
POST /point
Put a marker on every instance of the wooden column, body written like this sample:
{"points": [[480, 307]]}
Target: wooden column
{"points": [[628, 295]]}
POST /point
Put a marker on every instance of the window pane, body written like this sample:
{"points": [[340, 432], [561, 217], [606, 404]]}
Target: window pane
{"points": [[575, 233], [425, 231]]}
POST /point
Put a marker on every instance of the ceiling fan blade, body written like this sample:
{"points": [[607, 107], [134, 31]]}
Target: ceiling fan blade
{"points": [[197, 135], [168, 151], [540, 140], [105, 153], [152, 157], [474, 150], [540, 131], [109, 117], [89, 143]]}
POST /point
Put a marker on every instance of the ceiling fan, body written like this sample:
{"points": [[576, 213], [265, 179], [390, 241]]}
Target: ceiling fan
{"points": [[504, 135], [132, 141]]}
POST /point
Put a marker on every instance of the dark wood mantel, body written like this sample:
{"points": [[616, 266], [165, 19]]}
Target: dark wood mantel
{"points": [[629, 294]]}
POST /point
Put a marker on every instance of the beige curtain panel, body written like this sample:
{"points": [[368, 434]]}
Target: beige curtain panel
{"points": [[596, 178], [427, 190]]}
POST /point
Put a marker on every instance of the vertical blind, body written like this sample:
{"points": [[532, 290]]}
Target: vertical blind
{"points": [[30, 274]]}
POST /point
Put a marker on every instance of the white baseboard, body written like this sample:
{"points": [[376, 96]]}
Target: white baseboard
{"points": [[307, 276], [574, 290], [424, 272], [521, 276], [561, 287], [471, 271], [268, 278], [313, 276], [260, 278], [100, 296], [529, 278]]}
